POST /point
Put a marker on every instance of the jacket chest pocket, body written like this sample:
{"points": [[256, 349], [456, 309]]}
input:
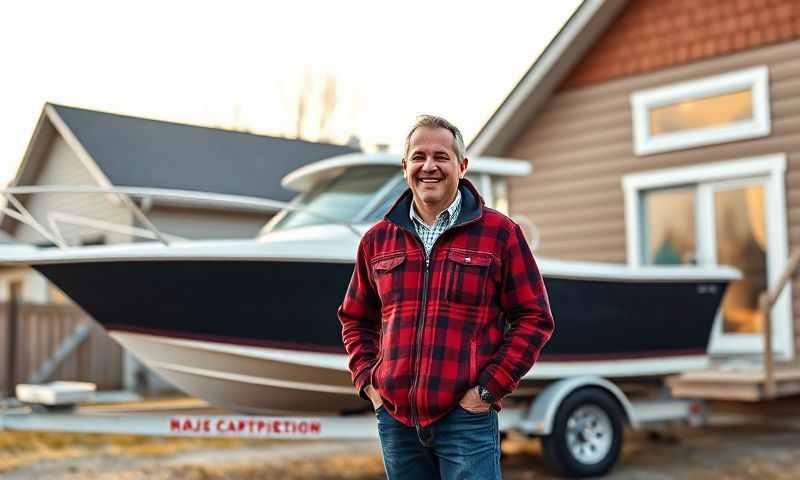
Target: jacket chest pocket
{"points": [[388, 276], [466, 275]]}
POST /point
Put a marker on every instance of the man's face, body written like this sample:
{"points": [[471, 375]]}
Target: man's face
{"points": [[431, 167]]}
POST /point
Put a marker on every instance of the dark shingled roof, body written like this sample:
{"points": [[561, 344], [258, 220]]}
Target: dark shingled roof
{"points": [[150, 153]]}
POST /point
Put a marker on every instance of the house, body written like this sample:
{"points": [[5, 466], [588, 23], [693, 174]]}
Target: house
{"points": [[79, 147], [668, 132]]}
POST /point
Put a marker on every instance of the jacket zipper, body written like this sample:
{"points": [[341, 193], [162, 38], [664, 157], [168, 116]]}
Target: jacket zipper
{"points": [[412, 392], [473, 360]]}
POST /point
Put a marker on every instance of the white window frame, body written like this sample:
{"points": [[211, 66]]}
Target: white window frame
{"points": [[773, 168], [756, 79]]}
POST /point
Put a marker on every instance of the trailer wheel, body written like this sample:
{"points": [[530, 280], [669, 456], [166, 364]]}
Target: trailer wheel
{"points": [[587, 435]]}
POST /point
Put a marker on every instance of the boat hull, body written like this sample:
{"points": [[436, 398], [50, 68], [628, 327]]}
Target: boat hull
{"points": [[261, 336], [262, 380]]}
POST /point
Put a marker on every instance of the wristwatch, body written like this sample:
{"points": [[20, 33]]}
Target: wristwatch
{"points": [[486, 395]]}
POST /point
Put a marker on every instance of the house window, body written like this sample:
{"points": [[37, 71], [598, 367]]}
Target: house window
{"points": [[669, 227], [718, 109], [741, 240]]}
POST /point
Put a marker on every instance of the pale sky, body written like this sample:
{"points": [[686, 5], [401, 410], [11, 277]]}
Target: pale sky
{"points": [[239, 64]]}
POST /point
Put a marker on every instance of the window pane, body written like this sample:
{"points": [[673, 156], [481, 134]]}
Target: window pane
{"points": [[342, 198], [669, 227], [713, 111], [741, 243]]}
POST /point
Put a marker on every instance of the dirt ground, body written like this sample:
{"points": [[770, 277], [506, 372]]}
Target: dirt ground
{"points": [[749, 451]]}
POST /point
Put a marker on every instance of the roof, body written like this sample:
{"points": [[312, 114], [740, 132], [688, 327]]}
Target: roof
{"points": [[302, 178], [139, 152], [520, 107]]}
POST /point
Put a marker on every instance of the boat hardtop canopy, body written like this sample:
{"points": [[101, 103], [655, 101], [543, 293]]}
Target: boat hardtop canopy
{"points": [[304, 177]]}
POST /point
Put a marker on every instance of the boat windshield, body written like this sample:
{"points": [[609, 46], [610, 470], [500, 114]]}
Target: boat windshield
{"points": [[346, 196]]}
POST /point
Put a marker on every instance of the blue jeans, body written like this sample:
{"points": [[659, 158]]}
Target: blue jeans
{"points": [[460, 445]]}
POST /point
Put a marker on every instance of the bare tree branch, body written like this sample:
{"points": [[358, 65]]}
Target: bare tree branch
{"points": [[303, 100], [327, 102]]}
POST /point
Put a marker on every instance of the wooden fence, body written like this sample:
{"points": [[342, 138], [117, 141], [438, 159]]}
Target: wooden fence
{"points": [[38, 332]]}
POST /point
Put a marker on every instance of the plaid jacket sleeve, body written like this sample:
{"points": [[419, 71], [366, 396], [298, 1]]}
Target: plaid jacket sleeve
{"points": [[524, 302], [359, 315]]}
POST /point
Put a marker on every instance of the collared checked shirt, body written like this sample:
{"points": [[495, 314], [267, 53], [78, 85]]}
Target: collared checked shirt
{"points": [[443, 221]]}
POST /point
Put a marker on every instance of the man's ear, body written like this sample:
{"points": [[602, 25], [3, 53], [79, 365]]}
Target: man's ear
{"points": [[403, 165], [463, 167]]}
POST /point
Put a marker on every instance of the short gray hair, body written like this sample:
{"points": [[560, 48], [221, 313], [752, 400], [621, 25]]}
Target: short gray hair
{"points": [[432, 121]]}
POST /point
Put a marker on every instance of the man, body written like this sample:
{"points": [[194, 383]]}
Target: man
{"points": [[444, 314]]}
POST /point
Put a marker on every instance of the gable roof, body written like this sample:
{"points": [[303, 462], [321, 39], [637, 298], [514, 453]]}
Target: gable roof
{"points": [[586, 24], [132, 151]]}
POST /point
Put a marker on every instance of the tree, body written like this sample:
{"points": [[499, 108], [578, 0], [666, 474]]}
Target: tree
{"points": [[315, 108]]}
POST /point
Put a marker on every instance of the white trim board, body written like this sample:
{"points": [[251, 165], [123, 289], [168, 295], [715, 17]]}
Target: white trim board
{"points": [[76, 146], [755, 79], [773, 168]]}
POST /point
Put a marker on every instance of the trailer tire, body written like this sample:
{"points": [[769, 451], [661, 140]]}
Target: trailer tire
{"points": [[586, 438]]}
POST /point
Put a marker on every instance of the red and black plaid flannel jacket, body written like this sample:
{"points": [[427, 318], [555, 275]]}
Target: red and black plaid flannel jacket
{"points": [[422, 335]]}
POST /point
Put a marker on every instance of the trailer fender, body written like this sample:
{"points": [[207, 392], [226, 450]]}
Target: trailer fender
{"points": [[542, 412]]}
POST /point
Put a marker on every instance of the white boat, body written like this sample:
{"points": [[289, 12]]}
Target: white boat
{"points": [[251, 325]]}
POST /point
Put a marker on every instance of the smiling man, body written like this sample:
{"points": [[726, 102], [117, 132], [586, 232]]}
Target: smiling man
{"points": [[444, 314]]}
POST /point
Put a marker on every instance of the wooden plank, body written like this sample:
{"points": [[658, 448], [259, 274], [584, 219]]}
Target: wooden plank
{"points": [[748, 393], [607, 203], [616, 159], [785, 107], [601, 228], [583, 122], [754, 376], [573, 249], [15, 291], [787, 88], [748, 384], [574, 186], [582, 212]]}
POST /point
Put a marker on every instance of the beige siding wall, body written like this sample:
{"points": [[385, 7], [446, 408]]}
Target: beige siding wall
{"points": [[63, 167], [199, 224], [581, 146]]}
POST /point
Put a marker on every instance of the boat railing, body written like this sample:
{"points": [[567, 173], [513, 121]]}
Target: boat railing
{"points": [[126, 195]]}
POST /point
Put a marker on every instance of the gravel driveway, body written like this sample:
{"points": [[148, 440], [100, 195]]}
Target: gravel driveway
{"points": [[753, 451]]}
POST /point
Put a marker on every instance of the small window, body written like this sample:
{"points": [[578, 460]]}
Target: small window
{"points": [[669, 227], [718, 109]]}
